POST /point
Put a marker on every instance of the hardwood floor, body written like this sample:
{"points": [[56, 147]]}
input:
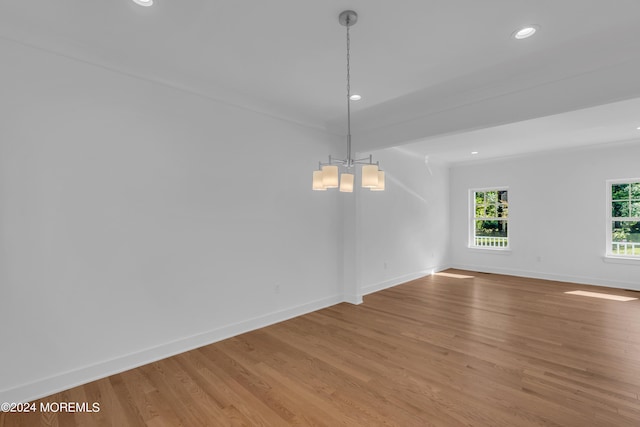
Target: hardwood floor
{"points": [[488, 350]]}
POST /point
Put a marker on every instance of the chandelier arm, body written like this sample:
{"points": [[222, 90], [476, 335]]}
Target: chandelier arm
{"points": [[366, 161], [342, 162]]}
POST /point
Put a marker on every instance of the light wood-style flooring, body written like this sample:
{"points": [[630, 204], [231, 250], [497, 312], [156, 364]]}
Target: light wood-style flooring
{"points": [[482, 350]]}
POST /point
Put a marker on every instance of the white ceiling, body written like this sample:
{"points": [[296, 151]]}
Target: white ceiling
{"points": [[428, 71], [611, 123]]}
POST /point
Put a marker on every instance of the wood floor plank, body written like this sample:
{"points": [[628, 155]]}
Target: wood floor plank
{"points": [[445, 350]]}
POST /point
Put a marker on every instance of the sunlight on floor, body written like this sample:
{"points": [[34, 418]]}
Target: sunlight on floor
{"points": [[600, 295], [455, 276]]}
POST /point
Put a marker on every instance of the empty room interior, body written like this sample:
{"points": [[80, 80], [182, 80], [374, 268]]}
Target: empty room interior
{"points": [[278, 213]]}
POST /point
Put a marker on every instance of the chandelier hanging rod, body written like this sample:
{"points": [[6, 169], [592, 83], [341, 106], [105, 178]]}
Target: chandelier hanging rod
{"points": [[348, 18]]}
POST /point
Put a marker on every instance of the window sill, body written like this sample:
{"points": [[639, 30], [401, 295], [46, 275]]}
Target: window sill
{"points": [[495, 251], [621, 260]]}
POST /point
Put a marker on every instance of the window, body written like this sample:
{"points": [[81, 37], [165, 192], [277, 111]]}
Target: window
{"points": [[489, 224], [623, 223]]}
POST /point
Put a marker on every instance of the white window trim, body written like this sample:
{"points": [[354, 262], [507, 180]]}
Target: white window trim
{"points": [[489, 250], [608, 254], [471, 223], [615, 259]]}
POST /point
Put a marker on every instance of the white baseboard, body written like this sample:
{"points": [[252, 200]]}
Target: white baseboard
{"points": [[353, 299], [369, 289], [83, 375], [551, 276]]}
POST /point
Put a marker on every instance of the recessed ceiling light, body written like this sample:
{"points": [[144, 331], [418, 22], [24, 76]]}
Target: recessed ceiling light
{"points": [[638, 128], [525, 32], [144, 2], [474, 152], [355, 97]]}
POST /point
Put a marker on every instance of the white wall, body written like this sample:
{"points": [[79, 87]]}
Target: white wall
{"points": [[557, 210], [138, 221], [402, 233]]}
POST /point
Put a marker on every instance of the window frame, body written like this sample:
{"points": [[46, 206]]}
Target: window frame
{"points": [[610, 218], [472, 220]]}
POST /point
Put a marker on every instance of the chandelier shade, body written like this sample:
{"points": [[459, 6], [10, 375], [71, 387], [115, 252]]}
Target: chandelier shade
{"points": [[370, 176], [318, 184], [328, 174], [380, 186], [346, 183]]}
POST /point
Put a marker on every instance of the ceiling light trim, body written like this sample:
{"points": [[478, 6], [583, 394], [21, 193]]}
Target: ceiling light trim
{"points": [[525, 32], [145, 3]]}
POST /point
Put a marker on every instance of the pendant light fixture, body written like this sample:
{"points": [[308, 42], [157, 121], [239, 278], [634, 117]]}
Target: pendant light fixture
{"points": [[328, 174]]}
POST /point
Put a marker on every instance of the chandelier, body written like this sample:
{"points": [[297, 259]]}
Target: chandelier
{"points": [[327, 174]]}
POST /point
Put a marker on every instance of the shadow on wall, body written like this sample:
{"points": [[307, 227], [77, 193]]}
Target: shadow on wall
{"points": [[405, 186]]}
